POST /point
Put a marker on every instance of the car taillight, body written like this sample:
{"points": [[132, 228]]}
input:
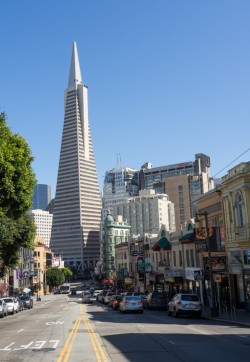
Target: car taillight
{"points": [[179, 303], [140, 302]]}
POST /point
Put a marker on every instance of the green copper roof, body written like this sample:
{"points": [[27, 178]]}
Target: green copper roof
{"points": [[163, 243]]}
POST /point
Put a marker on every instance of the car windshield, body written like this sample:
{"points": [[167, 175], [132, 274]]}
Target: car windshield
{"points": [[8, 300], [1, 302], [190, 298], [24, 298]]}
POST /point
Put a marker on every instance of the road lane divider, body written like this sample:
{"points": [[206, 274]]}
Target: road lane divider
{"points": [[98, 349], [65, 352]]}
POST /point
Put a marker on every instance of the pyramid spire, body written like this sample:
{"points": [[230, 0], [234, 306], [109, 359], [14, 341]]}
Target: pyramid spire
{"points": [[75, 76]]}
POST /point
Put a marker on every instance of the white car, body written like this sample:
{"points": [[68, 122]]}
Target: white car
{"points": [[12, 304], [96, 293], [131, 303], [185, 304]]}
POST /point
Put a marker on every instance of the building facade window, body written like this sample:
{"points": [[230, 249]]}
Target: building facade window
{"points": [[180, 258], [174, 258], [240, 212]]}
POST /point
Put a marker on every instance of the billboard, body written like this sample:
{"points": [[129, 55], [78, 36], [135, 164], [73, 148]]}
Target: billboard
{"points": [[214, 239]]}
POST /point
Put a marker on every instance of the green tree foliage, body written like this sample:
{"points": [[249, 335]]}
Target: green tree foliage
{"points": [[67, 273], [17, 182], [55, 277]]}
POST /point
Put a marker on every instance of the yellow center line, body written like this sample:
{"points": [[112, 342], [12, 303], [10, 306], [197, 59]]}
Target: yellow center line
{"points": [[68, 350], [94, 340], [72, 333], [98, 349]]}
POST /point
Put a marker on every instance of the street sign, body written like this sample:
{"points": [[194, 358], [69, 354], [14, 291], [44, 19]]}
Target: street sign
{"points": [[135, 253]]}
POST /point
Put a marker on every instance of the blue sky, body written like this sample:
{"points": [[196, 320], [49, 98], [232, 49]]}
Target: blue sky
{"points": [[167, 79]]}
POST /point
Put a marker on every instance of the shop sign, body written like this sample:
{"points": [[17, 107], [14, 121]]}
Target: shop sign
{"points": [[19, 273], [173, 273], [128, 281], [214, 239], [218, 263], [193, 273]]}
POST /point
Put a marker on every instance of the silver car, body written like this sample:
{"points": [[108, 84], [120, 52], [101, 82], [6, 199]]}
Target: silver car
{"points": [[185, 304], [86, 297], [12, 304], [3, 309], [131, 304]]}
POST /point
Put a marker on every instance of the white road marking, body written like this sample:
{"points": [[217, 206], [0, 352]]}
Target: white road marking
{"points": [[20, 330]]}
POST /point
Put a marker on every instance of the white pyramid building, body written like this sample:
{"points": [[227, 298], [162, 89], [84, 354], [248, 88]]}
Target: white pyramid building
{"points": [[75, 234]]}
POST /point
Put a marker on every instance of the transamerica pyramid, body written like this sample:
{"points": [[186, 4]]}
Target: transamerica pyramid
{"points": [[75, 234]]}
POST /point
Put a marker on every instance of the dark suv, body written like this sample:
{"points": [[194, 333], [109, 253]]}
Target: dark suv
{"points": [[156, 300], [27, 301]]}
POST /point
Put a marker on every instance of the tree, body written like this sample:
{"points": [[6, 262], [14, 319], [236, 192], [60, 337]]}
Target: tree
{"points": [[55, 277], [67, 273], [17, 182]]}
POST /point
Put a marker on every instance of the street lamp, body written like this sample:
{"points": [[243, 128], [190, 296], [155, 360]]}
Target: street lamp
{"points": [[213, 308]]}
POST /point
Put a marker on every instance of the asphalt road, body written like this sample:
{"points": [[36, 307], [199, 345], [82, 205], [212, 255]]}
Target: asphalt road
{"points": [[58, 329]]}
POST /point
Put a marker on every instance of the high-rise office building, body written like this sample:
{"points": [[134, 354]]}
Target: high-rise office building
{"points": [[43, 221], [41, 197], [119, 184], [182, 182], [147, 212], [75, 232]]}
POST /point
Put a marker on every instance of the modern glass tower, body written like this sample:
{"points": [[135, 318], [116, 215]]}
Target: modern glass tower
{"points": [[77, 209], [41, 197]]}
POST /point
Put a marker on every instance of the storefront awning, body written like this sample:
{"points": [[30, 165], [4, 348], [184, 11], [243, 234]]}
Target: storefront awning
{"points": [[188, 238], [163, 243]]}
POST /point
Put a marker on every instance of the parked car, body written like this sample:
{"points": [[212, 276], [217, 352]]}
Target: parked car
{"points": [[156, 300], [107, 297], [96, 293], [3, 309], [131, 304], [12, 304], [27, 301], [116, 302], [101, 296], [185, 304], [86, 297], [110, 303]]}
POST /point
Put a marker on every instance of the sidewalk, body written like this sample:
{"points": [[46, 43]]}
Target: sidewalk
{"points": [[236, 316]]}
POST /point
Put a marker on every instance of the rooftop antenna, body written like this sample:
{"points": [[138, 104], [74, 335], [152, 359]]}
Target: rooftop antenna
{"points": [[117, 160]]}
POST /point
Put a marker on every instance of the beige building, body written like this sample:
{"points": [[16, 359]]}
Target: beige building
{"points": [[147, 212], [178, 190], [42, 260], [236, 202]]}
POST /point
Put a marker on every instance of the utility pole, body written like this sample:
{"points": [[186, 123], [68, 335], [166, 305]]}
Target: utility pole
{"points": [[213, 308]]}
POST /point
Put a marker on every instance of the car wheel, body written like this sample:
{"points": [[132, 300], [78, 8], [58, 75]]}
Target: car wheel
{"points": [[141, 311], [2, 315]]}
